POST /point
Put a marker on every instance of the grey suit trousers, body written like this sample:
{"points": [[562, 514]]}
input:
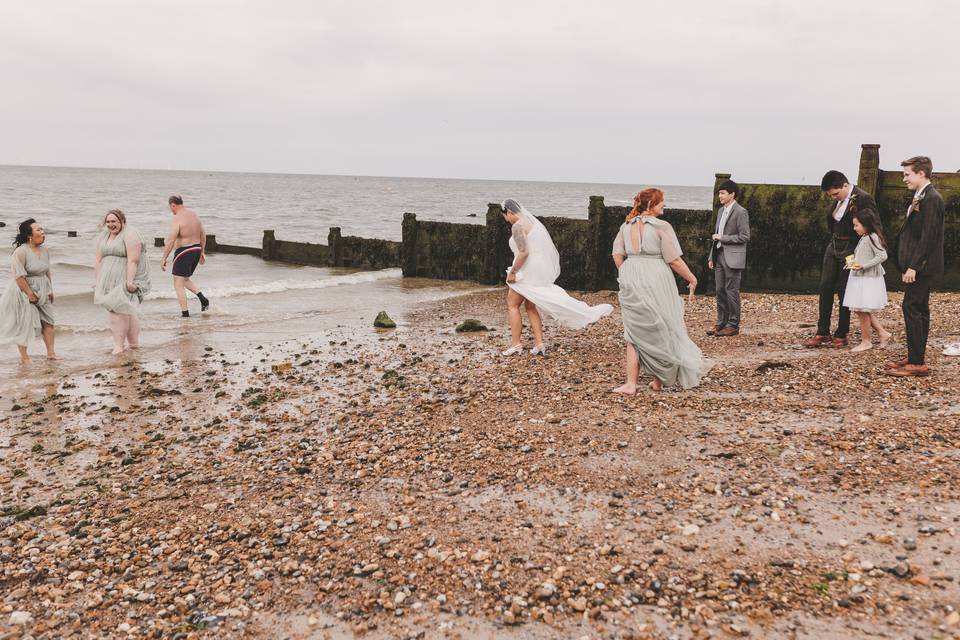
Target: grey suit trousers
{"points": [[728, 292]]}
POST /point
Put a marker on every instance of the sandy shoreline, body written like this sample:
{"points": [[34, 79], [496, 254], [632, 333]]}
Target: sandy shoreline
{"points": [[401, 482]]}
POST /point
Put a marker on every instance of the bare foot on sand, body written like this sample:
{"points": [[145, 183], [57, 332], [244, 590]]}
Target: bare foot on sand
{"points": [[885, 339], [52, 356], [627, 389], [656, 385], [863, 346], [116, 351]]}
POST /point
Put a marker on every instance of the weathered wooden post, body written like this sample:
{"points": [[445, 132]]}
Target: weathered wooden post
{"points": [[869, 174], [269, 247], [408, 247], [334, 247], [494, 264], [593, 261]]}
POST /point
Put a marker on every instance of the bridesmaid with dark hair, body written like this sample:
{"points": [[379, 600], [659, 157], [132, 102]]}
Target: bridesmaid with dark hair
{"points": [[26, 306]]}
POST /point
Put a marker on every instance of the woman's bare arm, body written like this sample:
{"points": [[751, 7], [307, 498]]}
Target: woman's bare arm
{"points": [[133, 258], [681, 269]]}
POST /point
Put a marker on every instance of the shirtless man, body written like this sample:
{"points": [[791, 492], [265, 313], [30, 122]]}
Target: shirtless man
{"points": [[189, 240]]}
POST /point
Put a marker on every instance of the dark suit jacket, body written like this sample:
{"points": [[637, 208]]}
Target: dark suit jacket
{"points": [[920, 240], [859, 200]]}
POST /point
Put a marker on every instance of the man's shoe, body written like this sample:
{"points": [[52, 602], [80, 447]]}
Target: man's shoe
{"points": [[837, 343], [818, 341], [728, 331], [712, 332], [910, 370], [896, 365]]}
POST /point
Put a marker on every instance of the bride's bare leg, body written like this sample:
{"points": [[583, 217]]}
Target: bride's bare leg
{"points": [[514, 300], [631, 364], [536, 323]]}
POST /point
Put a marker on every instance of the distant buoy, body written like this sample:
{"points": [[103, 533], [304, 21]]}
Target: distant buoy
{"points": [[71, 234]]}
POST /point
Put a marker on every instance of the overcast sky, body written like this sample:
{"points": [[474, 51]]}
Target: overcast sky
{"points": [[606, 91]]}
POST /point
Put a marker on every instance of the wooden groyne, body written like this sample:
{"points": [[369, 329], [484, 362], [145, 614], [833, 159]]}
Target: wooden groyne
{"points": [[788, 235]]}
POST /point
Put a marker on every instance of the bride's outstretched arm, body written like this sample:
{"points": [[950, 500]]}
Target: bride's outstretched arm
{"points": [[520, 238]]}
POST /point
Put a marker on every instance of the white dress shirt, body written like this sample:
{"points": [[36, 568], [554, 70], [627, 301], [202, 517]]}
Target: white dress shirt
{"points": [[723, 220], [842, 206]]}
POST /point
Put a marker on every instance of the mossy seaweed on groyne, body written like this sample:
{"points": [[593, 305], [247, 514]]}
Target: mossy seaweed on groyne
{"points": [[787, 239]]}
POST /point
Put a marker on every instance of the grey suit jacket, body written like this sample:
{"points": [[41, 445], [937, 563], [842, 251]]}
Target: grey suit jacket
{"points": [[733, 237]]}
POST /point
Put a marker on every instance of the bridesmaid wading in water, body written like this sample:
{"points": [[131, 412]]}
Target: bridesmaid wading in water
{"points": [[645, 250], [123, 278], [536, 265], [26, 306]]}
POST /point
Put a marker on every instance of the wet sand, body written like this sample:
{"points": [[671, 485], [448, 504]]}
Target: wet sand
{"points": [[411, 483]]}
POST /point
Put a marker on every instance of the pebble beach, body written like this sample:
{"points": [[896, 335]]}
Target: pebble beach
{"points": [[411, 483]]}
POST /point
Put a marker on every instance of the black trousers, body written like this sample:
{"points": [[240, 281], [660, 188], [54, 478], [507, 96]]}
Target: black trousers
{"points": [[833, 281], [916, 317]]}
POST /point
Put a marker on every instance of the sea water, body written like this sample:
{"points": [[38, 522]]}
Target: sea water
{"points": [[253, 300]]}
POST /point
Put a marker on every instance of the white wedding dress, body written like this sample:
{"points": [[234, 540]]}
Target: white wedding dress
{"points": [[535, 279]]}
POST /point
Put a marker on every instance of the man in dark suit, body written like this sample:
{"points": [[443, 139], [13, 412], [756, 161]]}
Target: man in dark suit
{"points": [[843, 242], [728, 258], [920, 259]]}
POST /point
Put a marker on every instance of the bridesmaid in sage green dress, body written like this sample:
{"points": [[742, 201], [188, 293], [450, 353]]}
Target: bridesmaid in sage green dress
{"points": [[123, 278], [645, 251], [26, 305]]}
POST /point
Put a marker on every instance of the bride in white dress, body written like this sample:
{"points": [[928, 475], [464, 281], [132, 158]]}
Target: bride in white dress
{"points": [[536, 265]]}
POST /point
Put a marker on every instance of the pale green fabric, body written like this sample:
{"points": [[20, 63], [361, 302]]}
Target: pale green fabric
{"points": [[20, 321], [652, 309], [111, 290]]}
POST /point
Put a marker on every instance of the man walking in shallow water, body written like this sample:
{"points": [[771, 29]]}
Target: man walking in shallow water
{"points": [[187, 240]]}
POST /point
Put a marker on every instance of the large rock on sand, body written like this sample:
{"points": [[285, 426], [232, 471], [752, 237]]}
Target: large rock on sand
{"points": [[470, 324], [383, 321]]}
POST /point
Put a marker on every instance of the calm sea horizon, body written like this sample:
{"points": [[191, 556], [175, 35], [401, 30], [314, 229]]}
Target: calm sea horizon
{"points": [[250, 295]]}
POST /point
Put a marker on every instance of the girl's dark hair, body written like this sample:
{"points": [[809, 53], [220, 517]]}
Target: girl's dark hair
{"points": [[24, 232], [871, 223]]}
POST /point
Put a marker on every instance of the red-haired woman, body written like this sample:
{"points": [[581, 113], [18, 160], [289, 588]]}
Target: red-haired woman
{"points": [[645, 251]]}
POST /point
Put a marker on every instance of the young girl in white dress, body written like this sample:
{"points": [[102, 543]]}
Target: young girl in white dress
{"points": [[866, 290]]}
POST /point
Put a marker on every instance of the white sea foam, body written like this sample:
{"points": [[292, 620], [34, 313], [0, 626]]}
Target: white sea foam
{"points": [[74, 265], [279, 286]]}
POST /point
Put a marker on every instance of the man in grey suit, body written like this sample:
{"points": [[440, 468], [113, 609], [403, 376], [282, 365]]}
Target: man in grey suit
{"points": [[728, 258]]}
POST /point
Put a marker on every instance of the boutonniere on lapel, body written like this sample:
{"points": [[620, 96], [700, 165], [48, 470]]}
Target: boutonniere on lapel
{"points": [[915, 203]]}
